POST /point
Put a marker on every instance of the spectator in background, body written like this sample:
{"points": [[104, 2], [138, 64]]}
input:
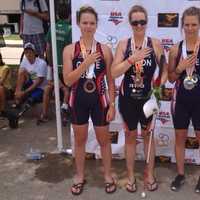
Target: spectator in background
{"points": [[2, 41], [34, 13], [30, 83], [63, 38], [5, 85]]}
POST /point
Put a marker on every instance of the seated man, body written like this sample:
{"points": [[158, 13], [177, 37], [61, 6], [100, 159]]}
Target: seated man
{"points": [[5, 85], [63, 38], [30, 83], [64, 93]]}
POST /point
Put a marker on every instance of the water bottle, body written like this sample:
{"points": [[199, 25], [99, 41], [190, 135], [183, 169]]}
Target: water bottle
{"points": [[34, 155]]}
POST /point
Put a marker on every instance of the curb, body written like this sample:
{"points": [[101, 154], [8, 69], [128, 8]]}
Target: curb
{"points": [[14, 45]]}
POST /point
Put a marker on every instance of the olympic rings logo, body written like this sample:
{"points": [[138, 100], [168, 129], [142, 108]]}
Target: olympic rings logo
{"points": [[163, 139], [112, 41]]}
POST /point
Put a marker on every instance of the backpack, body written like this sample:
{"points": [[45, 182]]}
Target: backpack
{"points": [[46, 24]]}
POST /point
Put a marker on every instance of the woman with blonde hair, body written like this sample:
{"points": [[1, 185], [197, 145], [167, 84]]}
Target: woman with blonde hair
{"points": [[136, 58], [184, 69]]}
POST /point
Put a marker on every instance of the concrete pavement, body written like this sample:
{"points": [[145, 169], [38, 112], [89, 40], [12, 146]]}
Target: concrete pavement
{"points": [[51, 177]]}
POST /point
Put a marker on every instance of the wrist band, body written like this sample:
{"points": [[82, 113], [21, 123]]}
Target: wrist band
{"points": [[129, 61]]}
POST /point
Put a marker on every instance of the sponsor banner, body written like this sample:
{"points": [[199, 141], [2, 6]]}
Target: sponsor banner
{"points": [[163, 23], [164, 117], [164, 141]]}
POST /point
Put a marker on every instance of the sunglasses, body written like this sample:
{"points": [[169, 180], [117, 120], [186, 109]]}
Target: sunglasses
{"points": [[142, 22]]}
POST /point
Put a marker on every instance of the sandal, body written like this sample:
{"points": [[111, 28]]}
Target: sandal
{"points": [[42, 120], [178, 182], [151, 186], [197, 188], [131, 187], [110, 187], [78, 187]]}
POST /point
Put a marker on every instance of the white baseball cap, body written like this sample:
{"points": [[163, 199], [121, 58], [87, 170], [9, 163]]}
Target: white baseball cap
{"points": [[29, 45]]}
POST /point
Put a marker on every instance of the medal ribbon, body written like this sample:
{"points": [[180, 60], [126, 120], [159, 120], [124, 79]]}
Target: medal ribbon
{"points": [[189, 70], [138, 65], [90, 71]]}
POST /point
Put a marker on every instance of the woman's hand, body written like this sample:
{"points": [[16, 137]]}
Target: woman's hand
{"points": [[111, 113], [92, 58], [139, 55], [187, 63]]}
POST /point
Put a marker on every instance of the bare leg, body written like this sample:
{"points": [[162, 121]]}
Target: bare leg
{"points": [[46, 99], [2, 98], [197, 188], [21, 79], [181, 135], [130, 151], [198, 138], [151, 164], [103, 139], [80, 136]]}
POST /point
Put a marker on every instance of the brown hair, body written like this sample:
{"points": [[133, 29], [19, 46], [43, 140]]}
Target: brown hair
{"points": [[191, 11], [85, 9], [137, 8]]}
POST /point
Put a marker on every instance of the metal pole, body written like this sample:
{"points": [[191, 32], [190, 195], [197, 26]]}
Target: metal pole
{"points": [[55, 76]]}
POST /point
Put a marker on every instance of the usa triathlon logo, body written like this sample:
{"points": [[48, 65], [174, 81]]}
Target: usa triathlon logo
{"points": [[167, 43], [164, 117], [115, 17]]}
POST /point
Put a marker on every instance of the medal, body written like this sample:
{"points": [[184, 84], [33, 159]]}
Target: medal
{"points": [[191, 79], [89, 85], [188, 83], [138, 67]]}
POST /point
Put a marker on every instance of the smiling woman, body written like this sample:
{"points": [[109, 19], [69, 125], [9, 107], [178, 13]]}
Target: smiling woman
{"points": [[137, 58]]}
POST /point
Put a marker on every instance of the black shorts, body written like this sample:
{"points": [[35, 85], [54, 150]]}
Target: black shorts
{"points": [[87, 105], [131, 111], [184, 112]]}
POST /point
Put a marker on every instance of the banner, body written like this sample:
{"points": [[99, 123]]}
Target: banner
{"points": [[164, 23]]}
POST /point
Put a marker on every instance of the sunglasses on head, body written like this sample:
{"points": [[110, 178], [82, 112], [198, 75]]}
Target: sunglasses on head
{"points": [[137, 22]]}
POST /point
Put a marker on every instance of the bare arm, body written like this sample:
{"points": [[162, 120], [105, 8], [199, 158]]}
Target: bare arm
{"points": [[70, 76], [49, 54], [173, 74], [120, 66], [160, 57], [39, 15], [111, 84], [21, 25]]}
